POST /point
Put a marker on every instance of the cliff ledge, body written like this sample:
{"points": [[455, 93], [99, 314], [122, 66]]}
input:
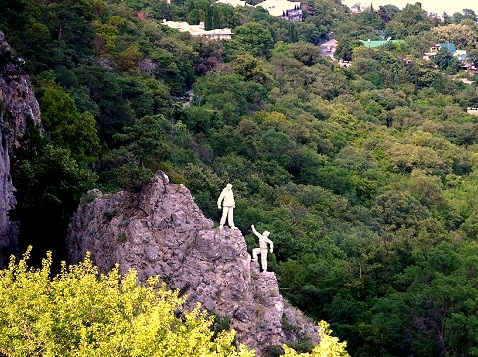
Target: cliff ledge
{"points": [[161, 231]]}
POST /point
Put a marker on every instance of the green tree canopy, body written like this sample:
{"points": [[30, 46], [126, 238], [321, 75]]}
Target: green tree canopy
{"points": [[412, 20], [254, 38], [65, 125], [82, 313]]}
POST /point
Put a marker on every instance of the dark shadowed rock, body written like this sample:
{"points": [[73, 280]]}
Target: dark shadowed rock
{"points": [[17, 102], [162, 231]]}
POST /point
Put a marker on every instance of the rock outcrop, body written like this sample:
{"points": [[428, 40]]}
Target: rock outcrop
{"points": [[17, 102], [161, 231]]}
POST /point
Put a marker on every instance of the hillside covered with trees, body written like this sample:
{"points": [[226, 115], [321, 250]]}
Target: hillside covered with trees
{"points": [[366, 176]]}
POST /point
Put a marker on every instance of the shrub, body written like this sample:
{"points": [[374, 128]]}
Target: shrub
{"points": [[82, 313]]}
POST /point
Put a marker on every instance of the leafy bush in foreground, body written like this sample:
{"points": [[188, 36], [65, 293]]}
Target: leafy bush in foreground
{"points": [[82, 313]]}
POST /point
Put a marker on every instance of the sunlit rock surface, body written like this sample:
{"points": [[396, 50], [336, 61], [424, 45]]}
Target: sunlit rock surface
{"points": [[161, 231]]}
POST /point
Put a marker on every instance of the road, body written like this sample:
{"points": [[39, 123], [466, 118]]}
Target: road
{"points": [[324, 51]]}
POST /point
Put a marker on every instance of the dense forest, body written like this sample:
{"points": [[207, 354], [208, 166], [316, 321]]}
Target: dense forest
{"points": [[366, 176]]}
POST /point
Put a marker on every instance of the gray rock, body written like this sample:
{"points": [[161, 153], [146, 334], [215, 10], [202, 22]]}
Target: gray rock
{"points": [[209, 265], [18, 102]]}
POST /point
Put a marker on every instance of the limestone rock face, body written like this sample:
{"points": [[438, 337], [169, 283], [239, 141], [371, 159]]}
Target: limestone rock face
{"points": [[161, 231], [17, 102]]}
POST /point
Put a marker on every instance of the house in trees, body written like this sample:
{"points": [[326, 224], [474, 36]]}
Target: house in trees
{"points": [[233, 3], [470, 67], [199, 30], [450, 47], [219, 34], [287, 10], [472, 111]]}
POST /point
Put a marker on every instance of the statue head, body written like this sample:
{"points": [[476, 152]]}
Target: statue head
{"points": [[266, 233], [229, 186]]}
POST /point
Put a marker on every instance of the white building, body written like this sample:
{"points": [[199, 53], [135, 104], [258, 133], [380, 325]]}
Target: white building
{"points": [[233, 3], [219, 34], [472, 111], [287, 10], [199, 30]]}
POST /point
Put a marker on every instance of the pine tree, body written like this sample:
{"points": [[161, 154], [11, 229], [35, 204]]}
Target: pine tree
{"points": [[208, 23]]}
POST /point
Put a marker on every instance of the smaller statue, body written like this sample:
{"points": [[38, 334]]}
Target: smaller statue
{"points": [[228, 205], [263, 240]]}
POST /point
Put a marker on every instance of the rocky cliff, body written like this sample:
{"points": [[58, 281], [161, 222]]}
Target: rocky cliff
{"points": [[17, 102], [161, 231]]}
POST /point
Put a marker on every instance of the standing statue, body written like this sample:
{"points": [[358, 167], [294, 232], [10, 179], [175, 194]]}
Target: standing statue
{"points": [[263, 240], [228, 205]]}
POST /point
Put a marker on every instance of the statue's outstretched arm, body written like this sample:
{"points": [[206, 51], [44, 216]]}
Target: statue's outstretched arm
{"points": [[254, 231]]}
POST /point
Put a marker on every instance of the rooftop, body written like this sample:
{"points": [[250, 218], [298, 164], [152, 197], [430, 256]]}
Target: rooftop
{"points": [[449, 46], [199, 30], [279, 7], [233, 3]]}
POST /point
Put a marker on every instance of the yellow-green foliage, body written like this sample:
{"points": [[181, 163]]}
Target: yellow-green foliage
{"points": [[328, 347], [82, 313]]}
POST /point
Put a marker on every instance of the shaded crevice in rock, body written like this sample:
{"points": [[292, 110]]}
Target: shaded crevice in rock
{"points": [[172, 238], [17, 103]]}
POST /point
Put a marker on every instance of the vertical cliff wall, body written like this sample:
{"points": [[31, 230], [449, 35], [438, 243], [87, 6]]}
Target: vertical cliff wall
{"points": [[17, 102], [161, 231]]}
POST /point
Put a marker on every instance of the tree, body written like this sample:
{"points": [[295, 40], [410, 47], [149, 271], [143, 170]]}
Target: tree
{"points": [[250, 68], [457, 17], [326, 12], [141, 150], [224, 15], [129, 59], [305, 52], [197, 11], [104, 88], [469, 14], [208, 21], [71, 30], [387, 12], [65, 125], [210, 54], [461, 35], [49, 185], [328, 347], [369, 24], [309, 32], [472, 56], [418, 44], [175, 59], [433, 314], [254, 38], [446, 62], [447, 19], [82, 313], [345, 48], [412, 20], [228, 96], [399, 210]]}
